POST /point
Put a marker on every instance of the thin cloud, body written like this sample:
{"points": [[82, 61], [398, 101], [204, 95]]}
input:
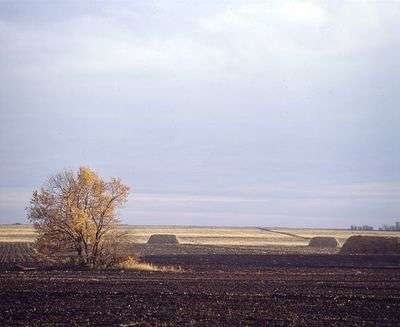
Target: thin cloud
{"points": [[249, 109]]}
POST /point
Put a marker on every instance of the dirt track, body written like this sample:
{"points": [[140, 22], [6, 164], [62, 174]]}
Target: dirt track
{"points": [[240, 289]]}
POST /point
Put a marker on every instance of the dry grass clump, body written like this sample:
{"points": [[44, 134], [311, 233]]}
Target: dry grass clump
{"points": [[371, 245], [323, 242], [133, 263], [163, 239]]}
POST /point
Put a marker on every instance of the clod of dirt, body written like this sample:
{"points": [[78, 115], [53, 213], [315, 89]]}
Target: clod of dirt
{"points": [[163, 239], [323, 242], [371, 245]]}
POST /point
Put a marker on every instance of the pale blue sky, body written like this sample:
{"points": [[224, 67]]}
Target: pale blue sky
{"points": [[215, 113]]}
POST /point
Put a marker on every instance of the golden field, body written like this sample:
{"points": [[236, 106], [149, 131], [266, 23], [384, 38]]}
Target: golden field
{"points": [[251, 236]]}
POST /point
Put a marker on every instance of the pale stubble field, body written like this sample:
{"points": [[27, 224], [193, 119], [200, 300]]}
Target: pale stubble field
{"points": [[235, 236]]}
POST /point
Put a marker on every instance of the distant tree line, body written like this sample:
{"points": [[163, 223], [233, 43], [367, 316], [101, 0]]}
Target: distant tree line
{"points": [[395, 227], [363, 227]]}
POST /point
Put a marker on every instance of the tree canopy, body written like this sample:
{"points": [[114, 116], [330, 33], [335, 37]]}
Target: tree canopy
{"points": [[75, 215]]}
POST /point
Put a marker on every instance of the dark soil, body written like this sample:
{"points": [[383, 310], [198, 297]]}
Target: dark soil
{"points": [[215, 289]]}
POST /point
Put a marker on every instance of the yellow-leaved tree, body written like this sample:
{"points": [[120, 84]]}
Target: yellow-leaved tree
{"points": [[75, 216]]}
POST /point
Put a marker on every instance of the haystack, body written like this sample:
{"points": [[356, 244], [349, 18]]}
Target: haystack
{"points": [[163, 239], [371, 245], [323, 242]]}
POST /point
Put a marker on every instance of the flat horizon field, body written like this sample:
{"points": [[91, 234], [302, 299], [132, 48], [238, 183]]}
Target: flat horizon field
{"points": [[210, 235]]}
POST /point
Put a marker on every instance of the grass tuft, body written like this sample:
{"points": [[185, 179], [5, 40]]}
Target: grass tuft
{"points": [[134, 264]]}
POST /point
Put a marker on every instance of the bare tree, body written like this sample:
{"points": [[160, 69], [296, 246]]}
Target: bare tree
{"points": [[76, 213]]}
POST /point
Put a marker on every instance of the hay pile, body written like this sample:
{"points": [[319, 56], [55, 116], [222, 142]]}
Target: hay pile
{"points": [[371, 245], [323, 242], [163, 239]]}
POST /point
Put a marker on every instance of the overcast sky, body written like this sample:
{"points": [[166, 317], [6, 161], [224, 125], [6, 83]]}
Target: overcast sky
{"points": [[213, 112]]}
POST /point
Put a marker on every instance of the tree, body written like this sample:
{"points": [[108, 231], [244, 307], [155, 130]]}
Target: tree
{"points": [[76, 214]]}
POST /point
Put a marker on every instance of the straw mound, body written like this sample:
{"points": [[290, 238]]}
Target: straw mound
{"points": [[323, 242], [163, 239], [371, 245]]}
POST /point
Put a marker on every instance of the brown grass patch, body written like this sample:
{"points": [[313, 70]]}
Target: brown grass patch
{"points": [[132, 263]]}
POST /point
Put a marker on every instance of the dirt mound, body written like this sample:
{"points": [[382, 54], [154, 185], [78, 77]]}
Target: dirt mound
{"points": [[323, 242], [371, 245], [163, 239]]}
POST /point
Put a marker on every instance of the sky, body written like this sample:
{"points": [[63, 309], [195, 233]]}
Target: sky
{"points": [[238, 113]]}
